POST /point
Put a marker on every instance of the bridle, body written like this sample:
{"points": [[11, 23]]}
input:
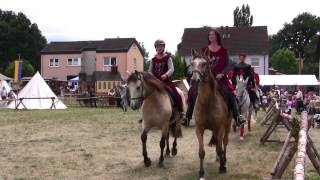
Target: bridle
{"points": [[141, 97], [204, 74], [144, 94]]}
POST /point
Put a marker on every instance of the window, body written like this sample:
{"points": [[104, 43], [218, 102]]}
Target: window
{"points": [[54, 62], [99, 85], [114, 84], [134, 63], [134, 45], [255, 62], [104, 85], [109, 61], [109, 85], [74, 62]]}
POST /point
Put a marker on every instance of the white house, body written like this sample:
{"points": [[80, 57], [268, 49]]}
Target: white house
{"points": [[253, 41]]}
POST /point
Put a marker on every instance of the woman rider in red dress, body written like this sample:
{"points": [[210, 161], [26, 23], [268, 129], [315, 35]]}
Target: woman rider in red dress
{"points": [[220, 66]]}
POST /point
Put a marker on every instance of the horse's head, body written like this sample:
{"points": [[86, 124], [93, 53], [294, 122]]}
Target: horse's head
{"points": [[241, 85], [200, 65], [135, 88]]}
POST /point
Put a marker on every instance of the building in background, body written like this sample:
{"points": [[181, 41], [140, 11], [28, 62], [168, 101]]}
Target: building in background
{"points": [[92, 60], [253, 41]]}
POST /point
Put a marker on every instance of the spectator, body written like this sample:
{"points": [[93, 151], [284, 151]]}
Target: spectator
{"points": [[4, 93]]}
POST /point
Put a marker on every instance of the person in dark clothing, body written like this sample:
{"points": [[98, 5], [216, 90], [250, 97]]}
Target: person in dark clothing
{"points": [[246, 71], [93, 100]]}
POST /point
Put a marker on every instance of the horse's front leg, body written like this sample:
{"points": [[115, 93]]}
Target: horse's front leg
{"points": [[201, 151], [162, 145], [147, 161], [222, 158]]}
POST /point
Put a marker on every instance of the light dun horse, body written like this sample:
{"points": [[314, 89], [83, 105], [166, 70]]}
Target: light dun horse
{"points": [[245, 107], [211, 111], [157, 111]]}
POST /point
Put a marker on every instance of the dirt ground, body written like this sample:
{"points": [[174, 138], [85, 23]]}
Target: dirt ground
{"points": [[104, 144]]}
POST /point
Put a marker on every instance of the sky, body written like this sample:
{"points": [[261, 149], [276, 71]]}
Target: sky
{"points": [[148, 20]]}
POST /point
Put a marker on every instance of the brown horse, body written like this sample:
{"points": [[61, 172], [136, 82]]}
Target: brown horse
{"points": [[211, 111], [147, 91]]}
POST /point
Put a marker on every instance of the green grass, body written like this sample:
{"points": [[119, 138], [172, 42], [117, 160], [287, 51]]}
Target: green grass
{"points": [[98, 143]]}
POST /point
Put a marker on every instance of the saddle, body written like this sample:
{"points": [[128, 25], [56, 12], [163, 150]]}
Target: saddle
{"points": [[173, 97]]}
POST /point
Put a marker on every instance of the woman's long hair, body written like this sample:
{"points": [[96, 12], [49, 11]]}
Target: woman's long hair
{"points": [[217, 35]]}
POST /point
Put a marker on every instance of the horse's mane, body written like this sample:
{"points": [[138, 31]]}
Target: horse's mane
{"points": [[148, 79], [153, 81]]}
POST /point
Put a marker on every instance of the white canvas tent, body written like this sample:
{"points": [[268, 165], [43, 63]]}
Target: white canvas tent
{"points": [[3, 77], [37, 88], [288, 80]]}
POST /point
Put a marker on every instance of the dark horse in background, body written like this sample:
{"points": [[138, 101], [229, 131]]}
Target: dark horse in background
{"points": [[147, 91], [211, 111], [122, 92]]}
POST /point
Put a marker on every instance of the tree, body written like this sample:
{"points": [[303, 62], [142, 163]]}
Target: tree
{"points": [[242, 17], [145, 54], [179, 67], [298, 34], [27, 69], [285, 61], [19, 36]]}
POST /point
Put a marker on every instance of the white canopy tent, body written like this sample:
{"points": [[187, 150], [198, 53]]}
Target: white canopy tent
{"points": [[3, 77], [288, 80], [35, 89]]}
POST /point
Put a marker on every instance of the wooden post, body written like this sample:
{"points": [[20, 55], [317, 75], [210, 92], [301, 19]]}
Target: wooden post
{"points": [[302, 148]]}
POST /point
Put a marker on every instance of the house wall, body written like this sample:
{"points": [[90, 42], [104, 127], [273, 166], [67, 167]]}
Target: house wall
{"points": [[121, 62], [63, 70], [92, 61], [103, 87], [262, 68], [133, 53]]}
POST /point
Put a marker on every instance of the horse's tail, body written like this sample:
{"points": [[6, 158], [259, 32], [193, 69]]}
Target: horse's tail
{"points": [[175, 127]]}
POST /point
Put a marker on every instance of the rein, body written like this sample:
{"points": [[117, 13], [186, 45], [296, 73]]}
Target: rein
{"points": [[142, 97]]}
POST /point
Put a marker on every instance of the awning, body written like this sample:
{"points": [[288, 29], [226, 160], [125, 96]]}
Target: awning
{"points": [[288, 80], [75, 79]]}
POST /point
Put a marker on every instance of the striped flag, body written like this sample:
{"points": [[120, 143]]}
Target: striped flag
{"points": [[17, 70]]}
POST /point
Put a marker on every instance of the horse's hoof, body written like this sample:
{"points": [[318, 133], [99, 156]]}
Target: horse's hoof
{"points": [[174, 152], [167, 153], [234, 128], [147, 162], [161, 165], [222, 170], [241, 138], [201, 178], [201, 174]]}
